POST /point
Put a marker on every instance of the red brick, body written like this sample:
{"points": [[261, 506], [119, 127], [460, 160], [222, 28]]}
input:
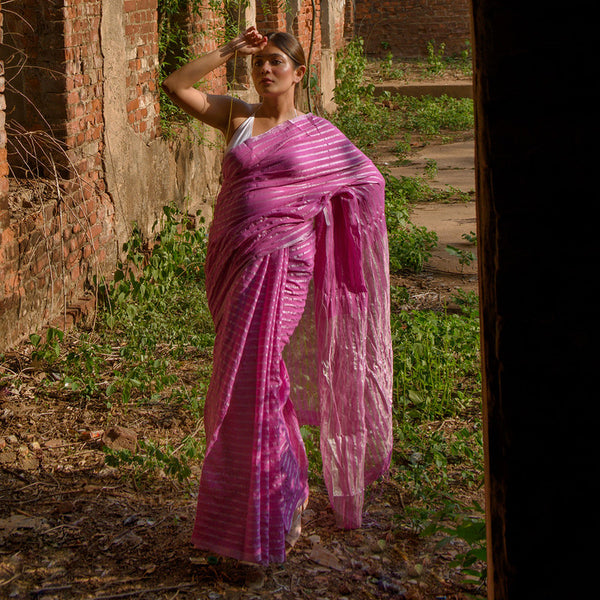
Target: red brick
{"points": [[96, 230]]}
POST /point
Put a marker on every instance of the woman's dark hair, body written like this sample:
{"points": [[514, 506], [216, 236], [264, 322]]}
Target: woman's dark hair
{"points": [[287, 43]]}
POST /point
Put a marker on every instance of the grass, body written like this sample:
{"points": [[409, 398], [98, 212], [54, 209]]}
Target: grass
{"points": [[154, 320], [437, 63], [154, 316], [367, 119], [438, 451]]}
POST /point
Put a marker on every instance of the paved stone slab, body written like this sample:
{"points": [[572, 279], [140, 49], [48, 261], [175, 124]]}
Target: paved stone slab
{"points": [[455, 165]]}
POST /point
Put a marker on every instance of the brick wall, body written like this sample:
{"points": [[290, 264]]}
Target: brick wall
{"points": [[84, 214], [34, 36], [84, 112], [405, 26], [202, 27], [270, 15], [333, 19], [349, 18], [58, 233], [303, 29], [141, 31]]}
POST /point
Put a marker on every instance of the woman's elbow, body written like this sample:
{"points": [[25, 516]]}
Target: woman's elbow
{"points": [[167, 87]]}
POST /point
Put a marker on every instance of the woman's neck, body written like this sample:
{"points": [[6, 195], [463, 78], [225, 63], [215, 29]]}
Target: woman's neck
{"points": [[277, 109]]}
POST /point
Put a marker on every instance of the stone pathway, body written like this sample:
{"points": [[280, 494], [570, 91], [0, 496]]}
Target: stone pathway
{"points": [[455, 168], [455, 165]]}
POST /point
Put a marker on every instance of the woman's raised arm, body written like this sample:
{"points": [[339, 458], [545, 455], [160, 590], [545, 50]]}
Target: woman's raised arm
{"points": [[214, 110]]}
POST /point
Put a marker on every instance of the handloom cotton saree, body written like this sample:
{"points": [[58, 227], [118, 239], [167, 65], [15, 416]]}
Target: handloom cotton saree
{"points": [[298, 286]]}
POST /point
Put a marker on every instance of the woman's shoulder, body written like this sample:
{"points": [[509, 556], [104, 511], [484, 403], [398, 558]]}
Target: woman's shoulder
{"points": [[324, 126], [320, 123]]}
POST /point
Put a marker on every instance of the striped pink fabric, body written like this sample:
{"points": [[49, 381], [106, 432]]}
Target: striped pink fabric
{"points": [[297, 269]]}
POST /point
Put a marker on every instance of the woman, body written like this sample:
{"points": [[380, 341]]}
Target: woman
{"points": [[297, 264]]}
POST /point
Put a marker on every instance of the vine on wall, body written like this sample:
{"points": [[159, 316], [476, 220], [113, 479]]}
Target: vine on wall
{"points": [[176, 40], [174, 50]]}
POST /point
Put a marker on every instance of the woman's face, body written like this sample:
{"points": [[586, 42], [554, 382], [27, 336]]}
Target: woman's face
{"points": [[273, 71]]}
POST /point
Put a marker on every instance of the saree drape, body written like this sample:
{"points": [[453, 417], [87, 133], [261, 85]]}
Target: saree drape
{"points": [[298, 286]]}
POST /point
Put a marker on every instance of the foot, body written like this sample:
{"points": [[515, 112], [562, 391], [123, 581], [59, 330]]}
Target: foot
{"points": [[293, 535]]}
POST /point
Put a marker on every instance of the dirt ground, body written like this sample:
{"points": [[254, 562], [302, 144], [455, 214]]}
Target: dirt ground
{"points": [[73, 528], [81, 532]]}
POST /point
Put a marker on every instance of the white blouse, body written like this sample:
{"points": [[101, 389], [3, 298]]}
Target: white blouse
{"points": [[241, 134]]}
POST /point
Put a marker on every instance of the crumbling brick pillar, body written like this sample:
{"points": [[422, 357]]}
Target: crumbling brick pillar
{"points": [[89, 212], [34, 60], [143, 107], [333, 15], [270, 15], [56, 228], [203, 26], [299, 18]]}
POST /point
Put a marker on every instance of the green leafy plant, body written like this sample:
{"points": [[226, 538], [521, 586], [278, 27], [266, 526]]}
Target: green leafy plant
{"points": [[361, 116], [367, 119], [150, 457], [438, 357], [465, 526], [435, 57], [470, 237], [389, 70], [437, 385], [47, 351], [349, 73], [431, 168], [173, 51], [402, 148], [152, 314], [463, 60], [175, 42], [311, 439], [465, 257], [430, 115], [156, 301], [410, 246]]}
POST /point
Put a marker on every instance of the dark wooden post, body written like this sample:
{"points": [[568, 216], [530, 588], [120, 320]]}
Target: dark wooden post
{"points": [[538, 255]]}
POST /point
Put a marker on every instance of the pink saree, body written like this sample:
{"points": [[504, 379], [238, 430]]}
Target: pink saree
{"points": [[298, 287]]}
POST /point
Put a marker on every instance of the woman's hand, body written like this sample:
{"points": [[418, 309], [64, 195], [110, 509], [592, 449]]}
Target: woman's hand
{"points": [[249, 42]]}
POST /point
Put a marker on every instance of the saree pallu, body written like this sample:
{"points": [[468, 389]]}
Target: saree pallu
{"points": [[298, 286]]}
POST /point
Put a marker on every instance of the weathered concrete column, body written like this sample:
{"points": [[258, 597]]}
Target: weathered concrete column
{"points": [[537, 191], [332, 38]]}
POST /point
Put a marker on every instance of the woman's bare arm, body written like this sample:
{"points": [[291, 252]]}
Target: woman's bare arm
{"points": [[214, 110]]}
